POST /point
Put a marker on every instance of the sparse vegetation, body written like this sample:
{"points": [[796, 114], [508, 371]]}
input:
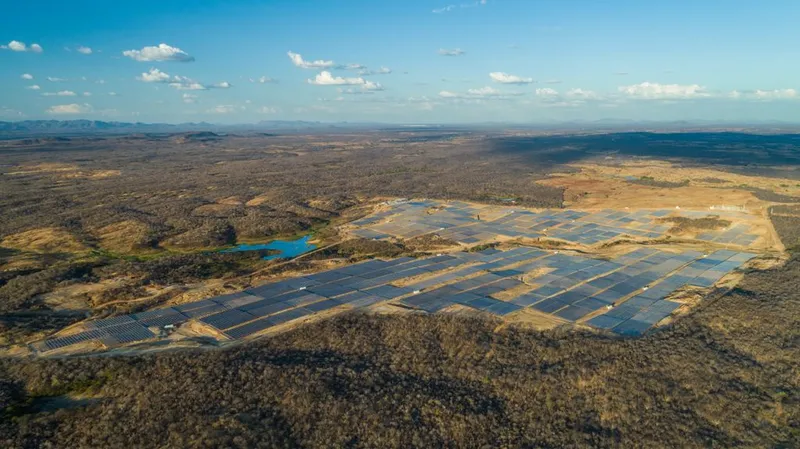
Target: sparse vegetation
{"points": [[652, 182], [682, 225], [359, 248], [421, 381], [725, 375], [768, 195], [786, 220]]}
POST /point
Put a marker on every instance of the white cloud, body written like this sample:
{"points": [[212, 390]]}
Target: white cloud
{"points": [[6, 111], [505, 78], [351, 91], [546, 92], [187, 84], [353, 67], [777, 94], [63, 93], [84, 50], [655, 91], [326, 79], [20, 46], [189, 98], [222, 109], [449, 8], [268, 110], [764, 95], [16, 46], [162, 52], [54, 79], [582, 94], [33, 87], [303, 64], [184, 83], [453, 52], [371, 86], [485, 92], [266, 79], [87, 94], [73, 108], [154, 76], [112, 94], [100, 81], [26, 76], [381, 71], [479, 93], [571, 98]]}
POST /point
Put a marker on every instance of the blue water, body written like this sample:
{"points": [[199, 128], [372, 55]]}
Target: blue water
{"points": [[288, 249]]}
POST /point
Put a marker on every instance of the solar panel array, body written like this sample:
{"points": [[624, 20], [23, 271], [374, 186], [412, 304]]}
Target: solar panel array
{"points": [[627, 295], [470, 224]]}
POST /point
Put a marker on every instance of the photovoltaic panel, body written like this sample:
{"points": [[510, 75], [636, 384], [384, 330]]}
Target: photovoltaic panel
{"points": [[549, 305], [108, 322], [289, 315], [527, 299], [632, 328], [194, 305], [464, 298], [604, 322], [229, 318], [503, 308], [203, 311], [269, 290], [160, 321], [322, 305], [239, 301], [352, 296], [306, 299], [623, 312], [128, 333], [482, 303], [270, 309], [249, 328], [573, 312], [367, 301], [487, 290], [388, 291], [591, 304], [69, 340], [330, 290]]}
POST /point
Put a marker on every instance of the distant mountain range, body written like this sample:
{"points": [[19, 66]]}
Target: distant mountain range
{"points": [[78, 127], [97, 125]]}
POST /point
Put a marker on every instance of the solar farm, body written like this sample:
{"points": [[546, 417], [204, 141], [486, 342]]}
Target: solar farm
{"points": [[470, 224], [627, 292]]}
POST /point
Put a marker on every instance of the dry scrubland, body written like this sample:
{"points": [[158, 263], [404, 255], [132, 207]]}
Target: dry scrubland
{"points": [[725, 376], [113, 225]]}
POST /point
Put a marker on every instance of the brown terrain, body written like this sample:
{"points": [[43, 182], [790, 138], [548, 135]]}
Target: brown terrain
{"points": [[100, 227]]}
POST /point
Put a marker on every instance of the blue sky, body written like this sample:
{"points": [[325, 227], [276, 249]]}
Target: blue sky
{"points": [[526, 61]]}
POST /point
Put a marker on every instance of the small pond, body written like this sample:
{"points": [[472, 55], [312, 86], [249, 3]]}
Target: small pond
{"points": [[287, 248]]}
